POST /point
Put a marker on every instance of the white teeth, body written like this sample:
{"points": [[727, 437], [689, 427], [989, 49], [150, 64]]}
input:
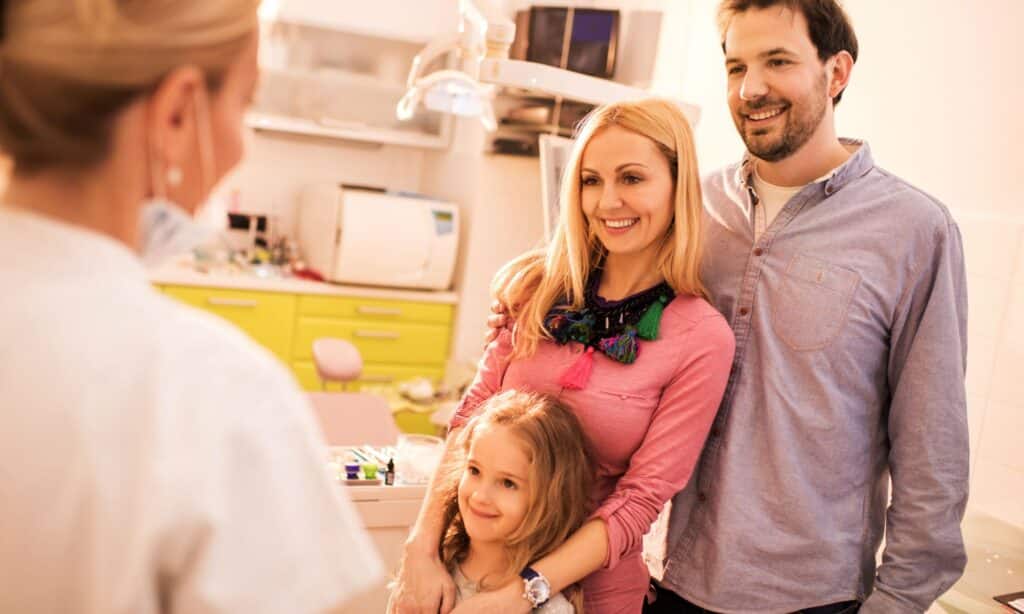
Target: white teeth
{"points": [[621, 223], [765, 114]]}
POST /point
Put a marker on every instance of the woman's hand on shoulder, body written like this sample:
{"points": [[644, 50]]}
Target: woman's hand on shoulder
{"points": [[423, 586], [496, 322]]}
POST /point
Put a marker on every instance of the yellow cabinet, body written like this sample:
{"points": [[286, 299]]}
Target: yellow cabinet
{"points": [[373, 375], [375, 310], [383, 342], [398, 339], [268, 317]]}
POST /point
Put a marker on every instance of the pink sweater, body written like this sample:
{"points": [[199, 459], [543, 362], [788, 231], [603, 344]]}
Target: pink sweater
{"points": [[646, 423]]}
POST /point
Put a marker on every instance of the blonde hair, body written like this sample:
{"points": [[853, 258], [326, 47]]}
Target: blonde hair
{"points": [[561, 473], [535, 282], [68, 67]]}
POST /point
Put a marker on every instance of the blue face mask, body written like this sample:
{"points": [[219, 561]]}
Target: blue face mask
{"points": [[166, 231]]}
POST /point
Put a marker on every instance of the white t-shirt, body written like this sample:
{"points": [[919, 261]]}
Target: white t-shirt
{"points": [[152, 458], [771, 199]]}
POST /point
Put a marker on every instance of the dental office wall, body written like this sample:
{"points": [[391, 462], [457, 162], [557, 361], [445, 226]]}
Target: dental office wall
{"points": [[277, 167], [935, 93]]}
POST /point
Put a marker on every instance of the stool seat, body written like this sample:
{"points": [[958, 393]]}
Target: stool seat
{"points": [[336, 360]]}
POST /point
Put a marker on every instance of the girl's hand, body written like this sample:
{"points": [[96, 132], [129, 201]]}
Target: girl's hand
{"points": [[506, 600], [423, 586]]}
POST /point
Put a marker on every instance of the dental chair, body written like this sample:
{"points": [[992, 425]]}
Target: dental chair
{"points": [[348, 418]]}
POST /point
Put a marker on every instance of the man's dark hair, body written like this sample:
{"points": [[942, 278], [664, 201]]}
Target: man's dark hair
{"points": [[827, 23]]}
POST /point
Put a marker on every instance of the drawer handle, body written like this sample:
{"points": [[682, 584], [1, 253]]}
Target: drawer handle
{"points": [[376, 334], [378, 311], [232, 302], [378, 379]]}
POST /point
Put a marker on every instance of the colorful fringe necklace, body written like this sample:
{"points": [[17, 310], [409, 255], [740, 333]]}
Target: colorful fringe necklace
{"points": [[611, 327]]}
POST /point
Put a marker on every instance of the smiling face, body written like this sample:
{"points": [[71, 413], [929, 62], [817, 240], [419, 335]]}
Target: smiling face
{"points": [[627, 191], [494, 491], [778, 87]]}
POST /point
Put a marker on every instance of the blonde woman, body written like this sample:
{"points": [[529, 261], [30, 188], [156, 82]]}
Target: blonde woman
{"points": [[154, 460], [612, 320]]}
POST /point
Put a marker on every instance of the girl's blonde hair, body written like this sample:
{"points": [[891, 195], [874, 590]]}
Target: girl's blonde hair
{"points": [[561, 473], [67, 67], [533, 283]]}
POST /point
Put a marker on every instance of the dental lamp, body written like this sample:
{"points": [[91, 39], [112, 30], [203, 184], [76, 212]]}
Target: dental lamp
{"points": [[482, 41]]}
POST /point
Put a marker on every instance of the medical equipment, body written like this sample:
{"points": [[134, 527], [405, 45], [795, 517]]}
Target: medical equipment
{"points": [[483, 39], [359, 235]]}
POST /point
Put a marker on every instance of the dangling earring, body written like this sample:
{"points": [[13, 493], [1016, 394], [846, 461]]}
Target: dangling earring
{"points": [[174, 176]]}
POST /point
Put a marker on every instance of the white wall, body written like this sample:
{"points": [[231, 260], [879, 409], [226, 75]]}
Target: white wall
{"points": [[932, 92], [277, 166], [499, 200]]}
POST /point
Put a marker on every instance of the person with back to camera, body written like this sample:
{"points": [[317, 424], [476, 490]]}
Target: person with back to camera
{"points": [[612, 321], [154, 458]]}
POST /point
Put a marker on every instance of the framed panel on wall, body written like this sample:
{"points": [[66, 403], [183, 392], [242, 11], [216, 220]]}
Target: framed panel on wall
{"points": [[554, 157]]}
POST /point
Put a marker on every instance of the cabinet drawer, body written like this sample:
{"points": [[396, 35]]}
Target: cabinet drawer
{"points": [[267, 317], [380, 342], [373, 375], [374, 309]]}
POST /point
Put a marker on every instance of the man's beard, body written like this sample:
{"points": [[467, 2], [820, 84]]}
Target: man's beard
{"points": [[800, 125]]}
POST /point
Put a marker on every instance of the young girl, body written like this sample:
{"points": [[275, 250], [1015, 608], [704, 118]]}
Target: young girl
{"points": [[516, 489]]}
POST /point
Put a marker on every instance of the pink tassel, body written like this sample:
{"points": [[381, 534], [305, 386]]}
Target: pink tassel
{"points": [[576, 376]]}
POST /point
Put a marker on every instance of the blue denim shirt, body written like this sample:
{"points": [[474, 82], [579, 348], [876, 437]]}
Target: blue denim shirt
{"points": [[851, 338]]}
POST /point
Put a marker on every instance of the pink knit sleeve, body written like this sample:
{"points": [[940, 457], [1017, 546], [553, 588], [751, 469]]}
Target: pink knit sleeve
{"points": [[663, 463], [489, 375]]}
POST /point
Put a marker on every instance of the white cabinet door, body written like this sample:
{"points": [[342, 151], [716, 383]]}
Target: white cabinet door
{"points": [[408, 20]]}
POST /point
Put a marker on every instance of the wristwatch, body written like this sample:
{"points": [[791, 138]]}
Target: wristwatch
{"points": [[536, 588]]}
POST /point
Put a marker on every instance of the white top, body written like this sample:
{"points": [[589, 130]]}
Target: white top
{"points": [[772, 198], [152, 459], [466, 588]]}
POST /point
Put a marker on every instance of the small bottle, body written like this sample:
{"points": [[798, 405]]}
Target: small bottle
{"points": [[389, 475]]}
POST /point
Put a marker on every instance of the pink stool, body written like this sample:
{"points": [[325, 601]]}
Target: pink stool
{"points": [[336, 360]]}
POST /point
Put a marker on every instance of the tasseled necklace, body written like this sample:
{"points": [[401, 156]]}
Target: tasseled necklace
{"points": [[611, 327]]}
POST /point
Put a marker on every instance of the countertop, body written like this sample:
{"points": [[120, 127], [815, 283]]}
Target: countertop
{"points": [[995, 566], [185, 274]]}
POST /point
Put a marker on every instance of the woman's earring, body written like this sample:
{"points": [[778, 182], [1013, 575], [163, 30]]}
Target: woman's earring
{"points": [[174, 176]]}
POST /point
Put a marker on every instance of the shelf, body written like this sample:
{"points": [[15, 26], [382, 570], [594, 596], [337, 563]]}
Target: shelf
{"points": [[348, 131], [340, 76]]}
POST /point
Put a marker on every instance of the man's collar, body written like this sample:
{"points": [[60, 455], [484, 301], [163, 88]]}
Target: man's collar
{"points": [[856, 166]]}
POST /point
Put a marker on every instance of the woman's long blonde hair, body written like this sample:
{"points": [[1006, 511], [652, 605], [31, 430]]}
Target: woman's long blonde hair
{"points": [[533, 283], [67, 67], [561, 474]]}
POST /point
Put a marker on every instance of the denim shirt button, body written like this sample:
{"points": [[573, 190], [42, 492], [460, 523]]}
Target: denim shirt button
{"points": [[702, 497]]}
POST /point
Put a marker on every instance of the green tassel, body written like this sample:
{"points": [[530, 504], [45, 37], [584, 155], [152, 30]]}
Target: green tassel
{"points": [[647, 328]]}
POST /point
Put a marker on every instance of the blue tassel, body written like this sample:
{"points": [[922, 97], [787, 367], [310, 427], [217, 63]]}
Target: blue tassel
{"points": [[622, 348]]}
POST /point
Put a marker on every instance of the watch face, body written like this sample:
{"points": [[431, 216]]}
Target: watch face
{"points": [[538, 590]]}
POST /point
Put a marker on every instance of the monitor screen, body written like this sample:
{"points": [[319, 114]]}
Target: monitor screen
{"points": [[591, 42]]}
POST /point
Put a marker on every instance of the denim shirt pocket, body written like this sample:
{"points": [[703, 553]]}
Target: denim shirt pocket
{"points": [[813, 302]]}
